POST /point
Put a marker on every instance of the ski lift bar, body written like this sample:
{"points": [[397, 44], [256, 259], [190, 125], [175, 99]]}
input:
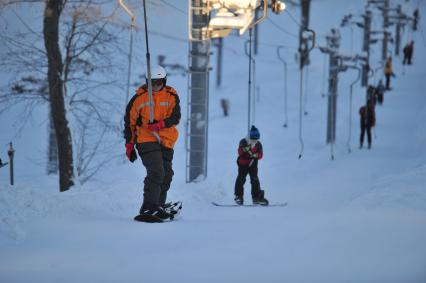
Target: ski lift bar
{"points": [[128, 11], [129, 66], [11, 153], [285, 83]]}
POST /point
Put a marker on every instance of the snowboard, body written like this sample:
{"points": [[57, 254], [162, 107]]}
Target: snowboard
{"points": [[173, 208], [150, 218], [250, 205]]}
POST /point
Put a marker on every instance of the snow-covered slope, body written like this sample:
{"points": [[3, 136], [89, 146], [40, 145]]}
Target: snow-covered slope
{"points": [[358, 218]]}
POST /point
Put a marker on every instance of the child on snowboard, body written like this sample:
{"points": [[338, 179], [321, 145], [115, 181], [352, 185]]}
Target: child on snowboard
{"points": [[249, 152]]}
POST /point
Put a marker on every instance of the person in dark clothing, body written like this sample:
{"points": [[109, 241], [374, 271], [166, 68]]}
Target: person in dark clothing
{"points": [[380, 91], [371, 94], [154, 141], [388, 72], [224, 103], [250, 151], [416, 19], [367, 121], [408, 53]]}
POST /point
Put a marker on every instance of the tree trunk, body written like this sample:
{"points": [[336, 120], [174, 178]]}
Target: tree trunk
{"points": [[52, 13], [52, 158]]}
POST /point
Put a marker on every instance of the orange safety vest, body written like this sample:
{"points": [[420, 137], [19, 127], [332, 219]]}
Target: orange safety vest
{"points": [[165, 107], [388, 67]]}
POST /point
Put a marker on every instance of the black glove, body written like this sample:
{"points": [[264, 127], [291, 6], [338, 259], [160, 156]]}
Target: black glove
{"points": [[131, 152]]}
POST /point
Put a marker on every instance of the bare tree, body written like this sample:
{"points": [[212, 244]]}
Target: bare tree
{"points": [[81, 83], [52, 149], [89, 77], [55, 71]]}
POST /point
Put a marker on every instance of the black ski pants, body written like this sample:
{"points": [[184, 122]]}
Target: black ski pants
{"points": [[365, 128], [388, 76], [405, 61], [157, 160], [407, 58], [241, 179], [380, 97]]}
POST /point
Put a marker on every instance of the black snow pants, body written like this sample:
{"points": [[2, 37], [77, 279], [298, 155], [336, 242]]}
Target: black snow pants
{"points": [[243, 170], [365, 128], [380, 97], [388, 76], [157, 160], [406, 60]]}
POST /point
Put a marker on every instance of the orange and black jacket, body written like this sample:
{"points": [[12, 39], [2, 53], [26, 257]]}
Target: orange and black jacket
{"points": [[165, 107], [388, 67]]}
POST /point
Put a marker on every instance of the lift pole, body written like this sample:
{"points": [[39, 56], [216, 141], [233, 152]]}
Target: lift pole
{"points": [[333, 44], [219, 45], [385, 13], [198, 93], [366, 47], [11, 153]]}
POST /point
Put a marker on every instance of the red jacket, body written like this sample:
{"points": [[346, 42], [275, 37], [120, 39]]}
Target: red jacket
{"points": [[247, 153]]}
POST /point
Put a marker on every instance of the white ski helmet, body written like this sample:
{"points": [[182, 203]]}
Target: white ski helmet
{"points": [[157, 73]]}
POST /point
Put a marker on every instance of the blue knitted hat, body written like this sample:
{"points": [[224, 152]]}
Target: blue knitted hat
{"points": [[254, 133]]}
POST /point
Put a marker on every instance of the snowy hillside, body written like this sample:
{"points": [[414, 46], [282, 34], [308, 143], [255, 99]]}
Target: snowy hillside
{"points": [[358, 218]]}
